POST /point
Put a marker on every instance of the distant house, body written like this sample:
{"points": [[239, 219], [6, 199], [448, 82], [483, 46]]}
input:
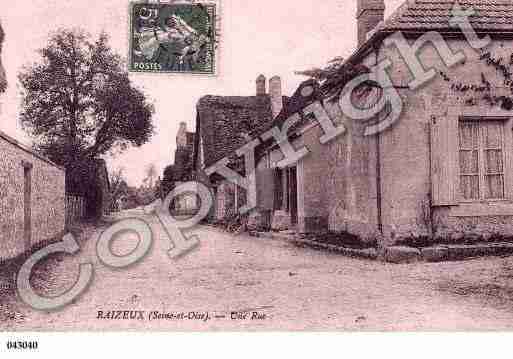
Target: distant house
{"points": [[223, 125], [181, 171], [184, 154], [443, 172]]}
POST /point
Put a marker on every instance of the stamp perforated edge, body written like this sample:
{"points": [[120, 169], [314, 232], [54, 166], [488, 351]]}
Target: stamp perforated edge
{"points": [[217, 36]]}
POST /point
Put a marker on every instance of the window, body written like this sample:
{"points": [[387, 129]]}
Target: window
{"points": [[481, 159]]}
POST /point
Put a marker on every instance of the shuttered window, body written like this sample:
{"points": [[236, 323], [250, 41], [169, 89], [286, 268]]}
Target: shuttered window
{"points": [[444, 161], [481, 159]]}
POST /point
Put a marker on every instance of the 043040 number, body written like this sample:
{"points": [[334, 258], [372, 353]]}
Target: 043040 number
{"points": [[22, 345]]}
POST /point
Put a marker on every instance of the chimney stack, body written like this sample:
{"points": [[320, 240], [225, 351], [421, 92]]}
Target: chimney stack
{"points": [[181, 136], [368, 15], [276, 95], [260, 85]]}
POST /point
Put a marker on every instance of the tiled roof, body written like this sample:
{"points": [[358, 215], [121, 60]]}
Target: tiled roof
{"points": [[490, 15], [28, 149], [307, 93], [417, 16], [226, 123]]}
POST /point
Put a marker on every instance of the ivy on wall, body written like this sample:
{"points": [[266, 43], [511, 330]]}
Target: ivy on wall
{"points": [[485, 89]]}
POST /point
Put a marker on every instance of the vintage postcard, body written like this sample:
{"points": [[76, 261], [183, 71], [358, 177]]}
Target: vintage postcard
{"points": [[344, 166]]}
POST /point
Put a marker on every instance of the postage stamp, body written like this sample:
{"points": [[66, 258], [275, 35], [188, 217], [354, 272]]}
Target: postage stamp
{"points": [[173, 37]]}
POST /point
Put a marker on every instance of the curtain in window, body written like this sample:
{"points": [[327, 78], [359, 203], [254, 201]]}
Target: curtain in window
{"points": [[469, 159], [481, 159], [493, 159]]}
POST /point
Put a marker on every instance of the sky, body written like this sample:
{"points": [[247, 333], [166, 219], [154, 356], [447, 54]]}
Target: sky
{"points": [[270, 37]]}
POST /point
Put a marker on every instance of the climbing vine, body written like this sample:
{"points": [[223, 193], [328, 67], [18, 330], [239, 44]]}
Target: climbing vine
{"points": [[335, 76], [484, 88]]}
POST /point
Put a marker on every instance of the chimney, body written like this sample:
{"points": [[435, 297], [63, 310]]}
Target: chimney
{"points": [[260, 85], [276, 95], [181, 136], [369, 14]]}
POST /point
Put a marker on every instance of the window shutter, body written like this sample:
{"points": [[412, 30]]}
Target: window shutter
{"points": [[444, 161], [265, 188]]}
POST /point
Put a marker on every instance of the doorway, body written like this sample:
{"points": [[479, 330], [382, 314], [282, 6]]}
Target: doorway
{"points": [[292, 172], [286, 193], [27, 205]]}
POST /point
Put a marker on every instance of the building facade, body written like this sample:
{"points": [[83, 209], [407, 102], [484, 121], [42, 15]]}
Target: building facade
{"points": [[443, 172]]}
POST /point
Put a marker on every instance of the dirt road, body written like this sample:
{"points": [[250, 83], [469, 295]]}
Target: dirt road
{"points": [[246, 283]]}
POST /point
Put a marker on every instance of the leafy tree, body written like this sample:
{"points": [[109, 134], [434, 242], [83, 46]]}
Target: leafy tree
{"points": [[151, 175], [79, 103], [118, 188]]}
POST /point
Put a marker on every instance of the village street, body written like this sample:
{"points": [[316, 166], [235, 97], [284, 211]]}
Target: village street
{"points": [[291, 288]]}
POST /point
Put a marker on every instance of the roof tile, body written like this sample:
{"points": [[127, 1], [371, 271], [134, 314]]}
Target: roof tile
{"points": [[227, 122]]}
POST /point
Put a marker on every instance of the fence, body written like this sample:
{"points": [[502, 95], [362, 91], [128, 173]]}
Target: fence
{"points": [[75, 209]]}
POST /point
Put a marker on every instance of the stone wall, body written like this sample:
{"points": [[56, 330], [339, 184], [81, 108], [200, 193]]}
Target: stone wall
{"points": [[47, 199], [313, 175], [351, 179]]}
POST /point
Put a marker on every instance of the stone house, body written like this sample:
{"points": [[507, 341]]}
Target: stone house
{"points": [[443, 172], [32, 199], [223, 125]]}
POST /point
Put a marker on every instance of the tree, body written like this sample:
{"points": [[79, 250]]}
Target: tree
{"points": [[151, 175], [3, 77], [118, 188], [79, 103]]}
